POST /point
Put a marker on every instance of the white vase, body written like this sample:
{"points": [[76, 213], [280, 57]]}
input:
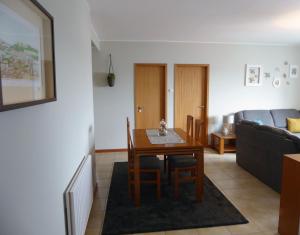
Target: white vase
{"points": [[225, 131]]}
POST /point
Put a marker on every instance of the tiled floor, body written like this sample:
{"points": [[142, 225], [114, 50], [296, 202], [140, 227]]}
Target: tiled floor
{"points": [[257, 202]]}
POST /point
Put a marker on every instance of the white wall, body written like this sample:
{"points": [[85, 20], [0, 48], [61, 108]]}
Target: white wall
{"points": [[227, 92], [41, 146]]}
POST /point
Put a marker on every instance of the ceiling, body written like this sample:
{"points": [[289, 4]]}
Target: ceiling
{"points": [[213, 21]]}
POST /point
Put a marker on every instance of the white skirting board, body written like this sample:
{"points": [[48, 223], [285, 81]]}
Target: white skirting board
{"points": [[79, 198]]}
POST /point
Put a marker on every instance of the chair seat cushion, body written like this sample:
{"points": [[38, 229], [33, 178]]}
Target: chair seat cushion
{"points": [[172, 157], [182, 161], [145, 156], [149, 162]]}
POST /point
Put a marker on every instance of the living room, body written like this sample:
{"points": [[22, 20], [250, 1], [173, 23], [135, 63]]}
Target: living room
{"points": [[208, 91], [229, 54]]}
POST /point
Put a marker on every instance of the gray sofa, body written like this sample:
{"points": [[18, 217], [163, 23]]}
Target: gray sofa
{"points": [[262, 140]]}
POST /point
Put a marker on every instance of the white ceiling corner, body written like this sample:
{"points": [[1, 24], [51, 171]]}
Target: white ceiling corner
{"points": [[271, 22], [94, 34]]}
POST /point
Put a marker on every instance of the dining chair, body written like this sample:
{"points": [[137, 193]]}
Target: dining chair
{"points": [[184, 164], [189, 131], [149, 167]]}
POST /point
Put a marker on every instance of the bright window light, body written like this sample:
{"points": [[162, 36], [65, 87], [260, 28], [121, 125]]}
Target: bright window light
{"points": [[290, 21]]}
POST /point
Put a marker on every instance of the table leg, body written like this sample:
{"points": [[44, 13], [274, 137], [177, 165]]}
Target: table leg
{"points": [[137, 180], [212, 141], [221, 146], [200, 175]]}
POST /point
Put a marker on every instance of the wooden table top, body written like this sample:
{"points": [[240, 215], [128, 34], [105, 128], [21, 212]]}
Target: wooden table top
{"points": [[295, 157], [141, 141], [221, 135]]}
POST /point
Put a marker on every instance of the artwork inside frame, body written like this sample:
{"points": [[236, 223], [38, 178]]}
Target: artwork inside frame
{"points": [[294, 71], [27, 61], [254, 75]]}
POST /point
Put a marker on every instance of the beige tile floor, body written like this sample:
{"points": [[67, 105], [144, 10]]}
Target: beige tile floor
{"points": [[257, 202]]}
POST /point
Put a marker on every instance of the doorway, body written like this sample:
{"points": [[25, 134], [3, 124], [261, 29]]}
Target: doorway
{"points": [[150, 95], [191, 96]]}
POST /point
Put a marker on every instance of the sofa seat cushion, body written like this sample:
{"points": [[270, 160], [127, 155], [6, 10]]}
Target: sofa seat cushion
{"points": [[264, 116], [296, 134], [280, 116], [295, 137]]}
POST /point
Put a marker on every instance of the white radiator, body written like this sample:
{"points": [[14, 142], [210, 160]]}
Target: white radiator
{"points": [[79, 198]]}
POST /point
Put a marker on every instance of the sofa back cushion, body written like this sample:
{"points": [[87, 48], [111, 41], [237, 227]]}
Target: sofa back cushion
{"points": [[263, 116], [249, 123], [238, 117], [280, 116]]}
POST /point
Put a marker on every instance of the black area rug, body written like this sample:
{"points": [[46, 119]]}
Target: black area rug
{"points": [[167, 214]]}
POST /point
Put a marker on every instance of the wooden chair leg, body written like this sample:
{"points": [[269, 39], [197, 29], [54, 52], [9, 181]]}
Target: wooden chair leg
{"points": [[158, 185], [176, 173], [165, 163], [193, 172], [129, 187], [169, 173]]}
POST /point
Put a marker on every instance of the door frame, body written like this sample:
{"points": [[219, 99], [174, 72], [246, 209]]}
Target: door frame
{"points": [[165, 66], [206, 97]]}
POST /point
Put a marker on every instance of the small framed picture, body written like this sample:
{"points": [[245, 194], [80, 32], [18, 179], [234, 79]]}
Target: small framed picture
{"points": [[254, 75], [294, 70]]}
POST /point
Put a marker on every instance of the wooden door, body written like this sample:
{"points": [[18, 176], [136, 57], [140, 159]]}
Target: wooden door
{"points": [[191, 96], [150, 101]]}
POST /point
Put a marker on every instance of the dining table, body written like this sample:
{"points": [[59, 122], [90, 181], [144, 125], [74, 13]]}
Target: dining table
{"points": [[188, 146]]}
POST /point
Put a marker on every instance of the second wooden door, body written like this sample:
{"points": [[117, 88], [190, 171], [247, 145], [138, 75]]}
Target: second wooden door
{"points": [[191, 95], [150, 86]]}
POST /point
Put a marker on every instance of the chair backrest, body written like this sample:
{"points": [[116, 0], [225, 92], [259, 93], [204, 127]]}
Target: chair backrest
{"points": [[129, 146], [190, 125], [198, 124], [128, 133]]}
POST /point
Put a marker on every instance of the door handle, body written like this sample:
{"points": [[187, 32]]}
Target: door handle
{"points": [[140, 109], [201, 107]]}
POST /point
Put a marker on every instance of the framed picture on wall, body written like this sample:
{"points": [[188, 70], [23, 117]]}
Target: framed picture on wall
{"points": [[27, 63], [254, 75], [294, 70]]}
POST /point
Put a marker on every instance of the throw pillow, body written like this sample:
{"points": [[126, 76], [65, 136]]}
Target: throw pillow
{"points": [[259, 122], [293, 124]]}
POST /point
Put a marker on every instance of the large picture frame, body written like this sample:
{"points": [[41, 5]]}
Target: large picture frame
{"points": [[253, 75], [27, 58]]}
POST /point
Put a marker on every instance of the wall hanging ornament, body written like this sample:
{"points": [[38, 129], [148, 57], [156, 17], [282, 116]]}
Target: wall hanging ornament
{"points": [[111, 76], [294, 71], [276, 82]]}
